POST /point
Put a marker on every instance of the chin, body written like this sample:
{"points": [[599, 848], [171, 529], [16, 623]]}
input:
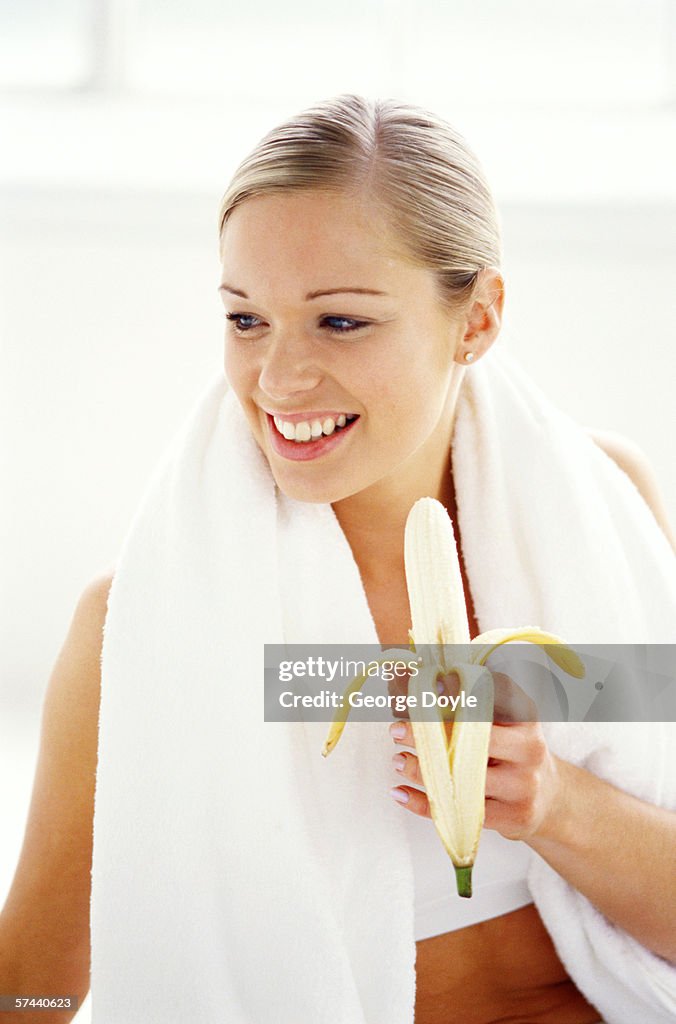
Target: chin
{"points": [[305, 482], [314, 492]]}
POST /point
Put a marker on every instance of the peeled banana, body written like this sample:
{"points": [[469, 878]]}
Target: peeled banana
{"points": [[453, 773]]}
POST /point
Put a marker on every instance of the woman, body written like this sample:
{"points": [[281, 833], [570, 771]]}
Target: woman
{"points": [[360, 280]]}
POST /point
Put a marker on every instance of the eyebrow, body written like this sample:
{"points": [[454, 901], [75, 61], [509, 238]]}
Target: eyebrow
{"points": [[310, 295]]}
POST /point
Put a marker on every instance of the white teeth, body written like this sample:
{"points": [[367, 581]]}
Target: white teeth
{"points": [[303, 431], [307, 431]]}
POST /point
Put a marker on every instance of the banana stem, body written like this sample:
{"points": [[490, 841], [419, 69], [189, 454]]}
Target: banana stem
{"points": [[463, 881]]}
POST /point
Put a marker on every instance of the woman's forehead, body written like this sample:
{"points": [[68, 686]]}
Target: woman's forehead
{"points": [[323, 240]]}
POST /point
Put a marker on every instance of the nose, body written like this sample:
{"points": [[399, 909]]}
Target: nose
{"points": [[288, 367]]}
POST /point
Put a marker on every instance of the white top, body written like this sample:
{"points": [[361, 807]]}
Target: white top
{"points": [[498, 879]]}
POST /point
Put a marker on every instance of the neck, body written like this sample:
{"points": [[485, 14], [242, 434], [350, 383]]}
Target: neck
{"points": [[373, 520]]}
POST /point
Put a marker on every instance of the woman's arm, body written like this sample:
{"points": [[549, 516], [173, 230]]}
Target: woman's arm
{"points": [[617, 850], [45, 923]]}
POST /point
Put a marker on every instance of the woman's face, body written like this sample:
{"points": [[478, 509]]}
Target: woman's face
{"points": [[332, 322]]}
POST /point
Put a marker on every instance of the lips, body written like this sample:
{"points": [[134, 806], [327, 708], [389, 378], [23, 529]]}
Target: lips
{"points": [[299, 417], [303, 451]]}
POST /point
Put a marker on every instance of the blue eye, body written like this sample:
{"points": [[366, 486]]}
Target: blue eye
{"points": [[236, 318], [354, 324], [241, 325]]}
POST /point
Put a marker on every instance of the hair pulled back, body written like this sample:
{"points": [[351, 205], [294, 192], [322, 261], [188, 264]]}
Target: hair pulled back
{"points": [[412, 163]]}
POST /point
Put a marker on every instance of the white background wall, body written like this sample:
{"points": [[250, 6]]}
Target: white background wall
{"points": [[109, 320]]}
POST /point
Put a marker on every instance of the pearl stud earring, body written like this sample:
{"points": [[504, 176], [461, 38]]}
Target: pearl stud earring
{"points": [[469, 356]]}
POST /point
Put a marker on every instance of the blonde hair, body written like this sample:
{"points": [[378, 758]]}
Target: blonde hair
{"points": [[417, 168]]}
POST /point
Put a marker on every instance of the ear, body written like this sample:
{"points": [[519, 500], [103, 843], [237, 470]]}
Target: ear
{"points": [[484, 316]]}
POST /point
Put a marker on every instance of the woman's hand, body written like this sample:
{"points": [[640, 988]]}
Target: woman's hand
{"points": [[579, 824], [523, 781]]}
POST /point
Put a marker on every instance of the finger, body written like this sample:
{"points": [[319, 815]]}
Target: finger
{"points": [[522, 743], [403, 713], [511, 703], [413, 800], [402, 732], [398, 687], [408, 766], [507, 783], [504, 818], [505, 743], [449, 685]]}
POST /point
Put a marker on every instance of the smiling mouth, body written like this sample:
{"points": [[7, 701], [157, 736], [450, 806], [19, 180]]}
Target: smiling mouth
{"points": [[309, 431], [316, 447]]}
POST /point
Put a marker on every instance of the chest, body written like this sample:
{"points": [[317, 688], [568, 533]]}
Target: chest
{"points": [[391, 613]]}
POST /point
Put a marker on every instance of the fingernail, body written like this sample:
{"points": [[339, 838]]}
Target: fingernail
{"points": [[399, 762], [398, 731], [440, 687], [400, 795]]}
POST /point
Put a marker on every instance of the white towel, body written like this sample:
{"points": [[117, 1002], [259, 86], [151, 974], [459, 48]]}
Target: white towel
{"points": [[236, 874]]}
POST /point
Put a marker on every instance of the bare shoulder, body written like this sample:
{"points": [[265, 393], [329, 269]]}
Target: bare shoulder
{"points": [[46, 915], [95, 594], [632, 460], [91, 609]]}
